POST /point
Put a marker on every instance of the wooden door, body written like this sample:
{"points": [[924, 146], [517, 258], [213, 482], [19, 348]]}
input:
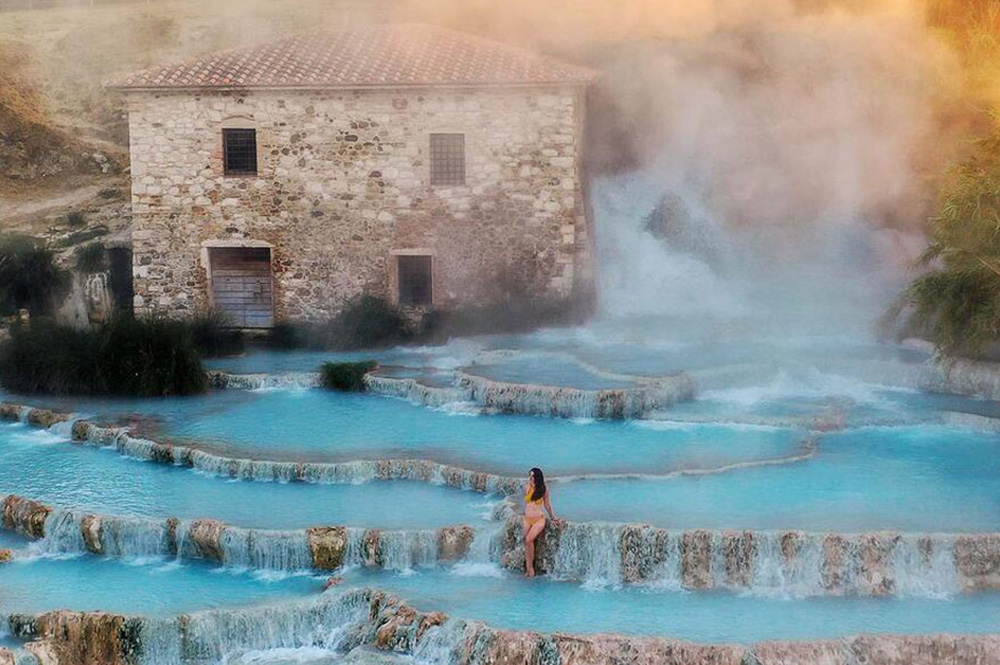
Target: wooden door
{"points": [[241, 285]]}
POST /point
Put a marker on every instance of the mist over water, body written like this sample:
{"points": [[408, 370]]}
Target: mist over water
{"points": [[712, 281], [783, 170]]}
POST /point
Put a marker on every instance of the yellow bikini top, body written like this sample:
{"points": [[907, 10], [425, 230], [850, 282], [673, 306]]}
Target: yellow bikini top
{"points": [[527, 498]]}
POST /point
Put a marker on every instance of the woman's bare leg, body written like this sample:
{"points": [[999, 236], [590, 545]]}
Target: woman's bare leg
{"points": [[529, 546]]}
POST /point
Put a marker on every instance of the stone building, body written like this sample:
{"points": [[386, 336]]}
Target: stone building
{"points": [[427, 166]]}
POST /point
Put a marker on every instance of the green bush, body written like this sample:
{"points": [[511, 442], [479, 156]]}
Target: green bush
{"points": [[956, 301], [366, 322], [348, 377], [29, 277], [214, 336], [286, 337], [123, 357], [91, 258]]}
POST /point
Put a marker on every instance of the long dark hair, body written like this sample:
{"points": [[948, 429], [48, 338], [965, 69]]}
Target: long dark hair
{"points": [[539, 479]]}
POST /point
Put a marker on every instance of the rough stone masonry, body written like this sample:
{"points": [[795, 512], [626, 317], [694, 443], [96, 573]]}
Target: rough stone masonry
{"points": [[343, 188]]}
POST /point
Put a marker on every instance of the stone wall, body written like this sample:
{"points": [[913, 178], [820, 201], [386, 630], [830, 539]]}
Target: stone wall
{"points": [[343, 185]]}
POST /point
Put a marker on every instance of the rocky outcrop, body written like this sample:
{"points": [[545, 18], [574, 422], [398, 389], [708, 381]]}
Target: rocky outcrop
{"points": [[327, 546], [90, 528], [25, 516], [95, 638], [696, 560], [453, 542], [977, 557], [206, 538], [45, 418]]}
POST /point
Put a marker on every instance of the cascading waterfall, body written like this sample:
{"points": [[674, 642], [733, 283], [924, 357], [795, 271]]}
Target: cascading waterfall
{"points": [[225, 380], [332, 622], [265, 550], [785, 563], [589, 552]]}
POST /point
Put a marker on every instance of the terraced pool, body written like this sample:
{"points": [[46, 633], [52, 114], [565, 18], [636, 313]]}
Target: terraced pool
{"points": [[797, 503]]}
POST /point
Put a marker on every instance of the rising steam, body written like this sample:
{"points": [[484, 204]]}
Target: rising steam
{"points": [[801, 140]]}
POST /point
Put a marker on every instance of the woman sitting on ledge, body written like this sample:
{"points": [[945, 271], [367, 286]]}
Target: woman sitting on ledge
{"points": [[535, 494]]}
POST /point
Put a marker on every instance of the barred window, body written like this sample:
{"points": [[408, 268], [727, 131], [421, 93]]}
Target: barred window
{"points": [[239, 149], [416, 285], [447, 159]]}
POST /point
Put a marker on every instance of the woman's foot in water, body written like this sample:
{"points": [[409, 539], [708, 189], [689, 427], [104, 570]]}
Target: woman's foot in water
{"points": [[530, 572]]}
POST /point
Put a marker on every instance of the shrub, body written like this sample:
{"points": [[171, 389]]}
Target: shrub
{"points": [[214, 336], [76, 219], [349, 377], [91, 258], [29, 277], [957, 300], [365, 322], [123, 357], [285, 337]]}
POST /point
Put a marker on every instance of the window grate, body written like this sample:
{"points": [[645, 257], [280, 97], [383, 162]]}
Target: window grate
{"points": [[416, 285], [448, 159], [239, 147]]}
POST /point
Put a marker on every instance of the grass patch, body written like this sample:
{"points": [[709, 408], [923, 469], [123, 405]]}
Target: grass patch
{"points": [[348, 377], [76, 219], [214, 336], [124, 357], [29, 277], [366, 322]]}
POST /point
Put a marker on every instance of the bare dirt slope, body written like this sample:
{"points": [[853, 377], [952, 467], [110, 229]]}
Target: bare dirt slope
{"points": [[63, 137]]}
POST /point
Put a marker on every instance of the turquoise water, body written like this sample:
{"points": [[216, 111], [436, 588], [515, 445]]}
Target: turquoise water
{"points": [[320, 425], [927, 478], [154, 589], [544, 605], [278, 362], [510, 601], [36, 464], [12, 541]]}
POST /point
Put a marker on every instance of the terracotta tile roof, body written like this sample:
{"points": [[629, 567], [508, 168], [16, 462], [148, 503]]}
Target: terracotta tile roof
{"points": [[386, 55]]}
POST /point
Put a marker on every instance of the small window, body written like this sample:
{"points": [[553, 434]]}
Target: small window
{"points": [[239, 148], [448, 159], [415, 281]]}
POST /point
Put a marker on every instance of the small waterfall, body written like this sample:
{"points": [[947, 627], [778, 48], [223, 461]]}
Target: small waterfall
{"points": [[392, 550], [70, 531], [413, 391], [266, 550], [622, 403], [226, 381], [447, 643], [405, 550], [333, 621], [63, 533], [782, 563], [589, 552]]}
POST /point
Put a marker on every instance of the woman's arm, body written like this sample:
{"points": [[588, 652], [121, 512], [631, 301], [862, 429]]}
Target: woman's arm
{"points": [[548, 506]]}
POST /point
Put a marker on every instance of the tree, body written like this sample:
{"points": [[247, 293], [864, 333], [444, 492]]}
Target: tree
{"points": [[29, 277]]}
